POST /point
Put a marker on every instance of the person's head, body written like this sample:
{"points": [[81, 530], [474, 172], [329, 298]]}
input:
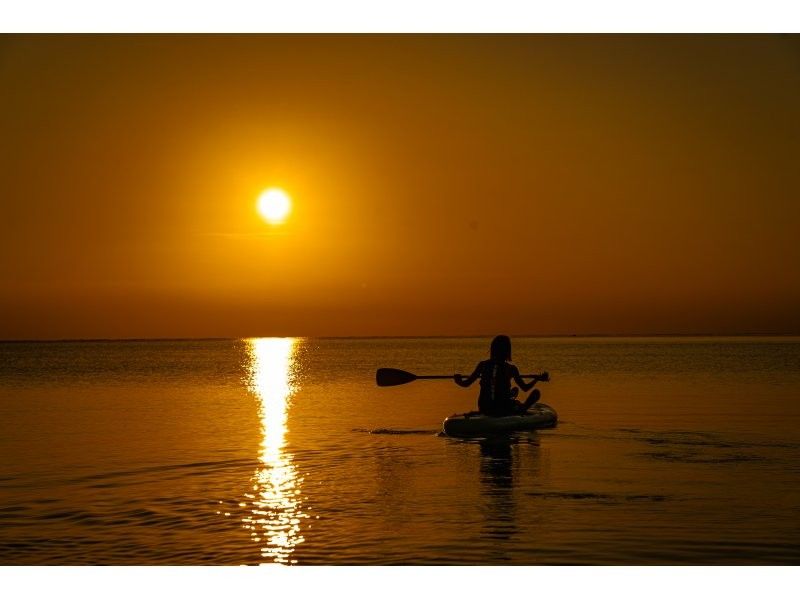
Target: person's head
{"points": [[500, 349]]}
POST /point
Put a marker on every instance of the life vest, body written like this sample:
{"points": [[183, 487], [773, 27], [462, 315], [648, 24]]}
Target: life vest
{"points": [[495, 382]]}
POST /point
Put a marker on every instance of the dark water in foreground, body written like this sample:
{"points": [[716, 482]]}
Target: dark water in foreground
{"points": [[680, 451]]}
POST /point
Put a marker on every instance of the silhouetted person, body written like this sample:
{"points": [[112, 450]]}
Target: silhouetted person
{"points": [[497, 397]]}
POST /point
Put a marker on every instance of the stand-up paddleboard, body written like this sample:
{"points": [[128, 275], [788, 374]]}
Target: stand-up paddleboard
{"points": [[476, 424]]}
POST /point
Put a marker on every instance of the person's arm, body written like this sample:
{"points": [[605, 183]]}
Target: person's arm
{"points": [[526, 386], [465, 382]]}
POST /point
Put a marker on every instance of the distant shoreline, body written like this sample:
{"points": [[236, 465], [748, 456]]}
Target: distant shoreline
{"points": [[408, 337]]}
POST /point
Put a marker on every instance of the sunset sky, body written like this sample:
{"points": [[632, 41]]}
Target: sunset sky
{"points": [[440, 185]]}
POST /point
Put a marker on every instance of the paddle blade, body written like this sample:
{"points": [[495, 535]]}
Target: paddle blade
{"points": [[393, 377]]}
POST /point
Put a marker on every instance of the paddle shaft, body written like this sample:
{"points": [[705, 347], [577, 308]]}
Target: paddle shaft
{"points": [[454, 375], [395, 377]]}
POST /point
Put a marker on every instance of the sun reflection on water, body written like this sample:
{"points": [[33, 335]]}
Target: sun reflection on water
{"points": [[276, 513]]}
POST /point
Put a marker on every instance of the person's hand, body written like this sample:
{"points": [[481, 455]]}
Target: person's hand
{"points": [[545, 377]]}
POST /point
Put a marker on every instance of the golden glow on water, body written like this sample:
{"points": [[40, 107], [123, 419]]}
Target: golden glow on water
{"points": [[276, 513]]}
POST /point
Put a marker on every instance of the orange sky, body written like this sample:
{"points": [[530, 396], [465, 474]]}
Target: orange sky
{"points": [[441, 185]]}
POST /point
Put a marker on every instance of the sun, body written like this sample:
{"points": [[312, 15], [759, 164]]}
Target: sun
{"points": [[274, 205]]}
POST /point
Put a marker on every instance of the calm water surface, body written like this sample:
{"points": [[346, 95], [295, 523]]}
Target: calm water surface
{"points": [[668, 450]]}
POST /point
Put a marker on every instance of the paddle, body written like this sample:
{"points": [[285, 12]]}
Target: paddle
{"points": [[393, 377]]}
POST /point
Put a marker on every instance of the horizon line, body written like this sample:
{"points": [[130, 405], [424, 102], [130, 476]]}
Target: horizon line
{"points": [[404, 336]]}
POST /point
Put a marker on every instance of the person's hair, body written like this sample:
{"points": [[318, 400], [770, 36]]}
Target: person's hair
{"points": [[500, 349]]}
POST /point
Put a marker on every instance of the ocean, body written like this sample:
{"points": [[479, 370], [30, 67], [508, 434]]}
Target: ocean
{"points": [[668, 450]]}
